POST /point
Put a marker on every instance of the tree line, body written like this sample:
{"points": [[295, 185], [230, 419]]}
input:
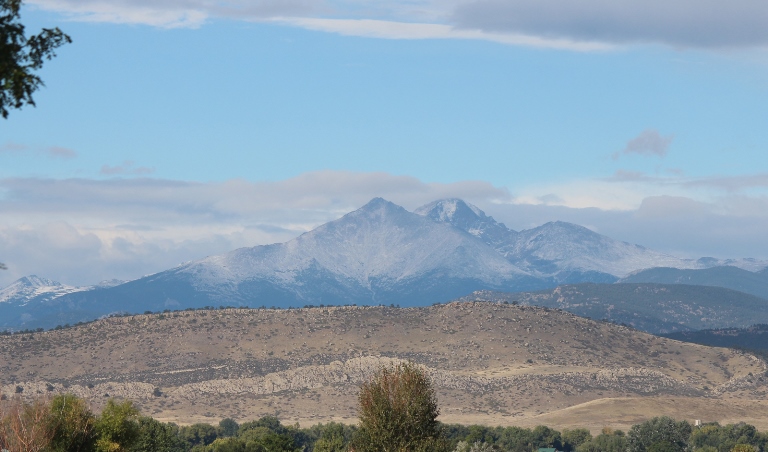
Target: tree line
{"points": [[64, 423], [398, 413]]}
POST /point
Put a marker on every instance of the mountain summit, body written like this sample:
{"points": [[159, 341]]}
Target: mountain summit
{"points": [[470, 219]]}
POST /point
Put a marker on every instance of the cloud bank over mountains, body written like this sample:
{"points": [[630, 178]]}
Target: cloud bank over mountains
{"points": [[584, 25], [82, 231], [682, 23]]}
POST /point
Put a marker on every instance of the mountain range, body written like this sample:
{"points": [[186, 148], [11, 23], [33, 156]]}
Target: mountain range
{"points": [[378, 254], [654, 308]]}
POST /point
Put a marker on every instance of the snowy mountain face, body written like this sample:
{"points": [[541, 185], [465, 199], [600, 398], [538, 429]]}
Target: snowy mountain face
{"points": [[552, 250], [380, 244], [28, 288], [564, 247], [380, 253]]}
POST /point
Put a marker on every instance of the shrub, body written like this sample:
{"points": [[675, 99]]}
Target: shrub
{"points": [[398, 412]]}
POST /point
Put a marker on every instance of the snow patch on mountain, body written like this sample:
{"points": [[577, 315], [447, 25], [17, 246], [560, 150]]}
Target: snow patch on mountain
{"points": [[33, 287], [30, 287]]}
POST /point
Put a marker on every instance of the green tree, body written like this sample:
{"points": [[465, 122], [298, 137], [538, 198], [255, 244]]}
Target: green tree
{"points": [[725, 438], [544, 436], [155, 436], [332, 439], [574, 438], [229, 444], [72, 423], [608, 441], [398, 412], [198, 434], [117, 428], [659, 429], [516, 439], [664, 446], [228, 427], [258, 439], [21, 56]]}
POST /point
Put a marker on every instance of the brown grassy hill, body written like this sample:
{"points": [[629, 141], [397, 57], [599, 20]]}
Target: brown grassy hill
{"points": [[492, 363]]}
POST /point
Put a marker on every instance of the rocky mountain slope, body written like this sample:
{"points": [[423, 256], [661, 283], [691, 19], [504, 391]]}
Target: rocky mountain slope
{"points": [[492, 363]]}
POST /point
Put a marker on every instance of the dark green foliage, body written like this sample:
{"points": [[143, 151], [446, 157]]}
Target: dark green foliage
{"points": [[332, 439], [21, 56], [325, 437], [264, 435], [155, 436], [571, 439], [725, 438], [257, 439], [398, 412], [543, 436], [198, 434], [274, 442], [665, 446], [608, 441], [227, 428], [269, 422], [659, 429]]}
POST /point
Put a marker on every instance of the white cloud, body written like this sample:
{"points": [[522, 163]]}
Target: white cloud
{"points": [[51, 151], [60, 152], [679, 23], [13, 147], [584, 25], [732, 183], [649, 142], [127, 167], [370, 28], [166, 14]]}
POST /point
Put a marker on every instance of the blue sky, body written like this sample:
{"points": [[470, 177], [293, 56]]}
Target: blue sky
{"points": [[174, 129]]}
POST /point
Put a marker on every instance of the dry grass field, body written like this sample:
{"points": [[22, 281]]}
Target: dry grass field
{"points": [[493, 364]]}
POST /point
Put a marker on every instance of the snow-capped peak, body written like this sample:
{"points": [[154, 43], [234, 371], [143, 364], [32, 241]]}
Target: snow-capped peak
{"points": [[28, 287], [468, 218]]}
